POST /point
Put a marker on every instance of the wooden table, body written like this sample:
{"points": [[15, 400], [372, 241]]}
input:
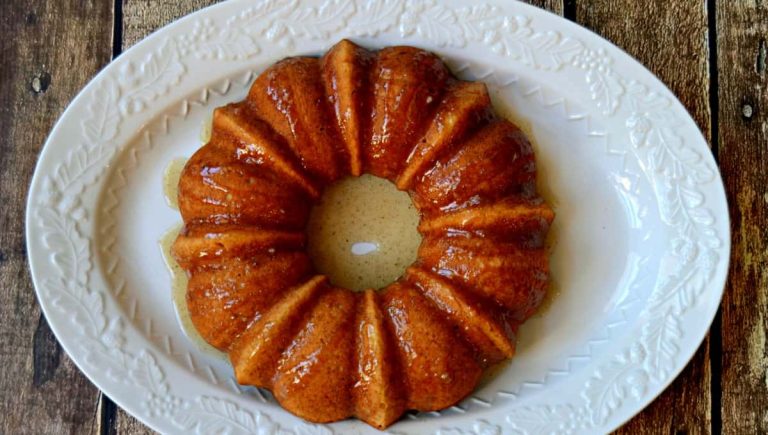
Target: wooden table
{"points": [[712, 53]]}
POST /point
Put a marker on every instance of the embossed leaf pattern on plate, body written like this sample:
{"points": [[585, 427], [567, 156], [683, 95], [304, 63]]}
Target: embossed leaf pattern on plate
{"points": [[676, 169]]}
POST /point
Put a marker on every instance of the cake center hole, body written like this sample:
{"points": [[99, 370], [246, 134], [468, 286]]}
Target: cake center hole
{"points": [[363, 233]]}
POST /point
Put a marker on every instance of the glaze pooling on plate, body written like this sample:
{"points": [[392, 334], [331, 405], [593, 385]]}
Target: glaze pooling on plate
{"points": [[171, 181], [94, 277], [178, 293], [362, 233]]}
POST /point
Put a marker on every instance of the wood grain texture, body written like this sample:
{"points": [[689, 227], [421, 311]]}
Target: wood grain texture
{"points": [[127, 424], [554, 6], [742, 28], [116, 421], [671, 39], [142, 17], [41, 390]]}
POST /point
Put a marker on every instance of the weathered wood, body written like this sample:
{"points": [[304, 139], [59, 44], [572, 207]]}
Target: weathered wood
{"points": [[554, 6], [142, 17], [116, 421], [49, 50], [742, 29], [42, 391], [670, 38], [127, 424]]}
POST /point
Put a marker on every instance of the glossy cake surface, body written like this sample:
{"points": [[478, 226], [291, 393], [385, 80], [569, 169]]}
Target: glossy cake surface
{"points": [[421, 342]]}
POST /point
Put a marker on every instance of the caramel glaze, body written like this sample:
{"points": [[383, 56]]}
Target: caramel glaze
{"points": [[420, 343]]}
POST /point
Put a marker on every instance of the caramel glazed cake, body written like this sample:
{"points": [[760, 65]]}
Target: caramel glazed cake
{"points": [[422, 342]]}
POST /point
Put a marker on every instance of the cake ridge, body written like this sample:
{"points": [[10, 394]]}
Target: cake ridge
{"points": [[463, 107], [196, 244], [240, 293], [345, 72], [378, 395], [258, 144], [308, 369], [514, 277], [407, 86], [299, 112], [496, 161], [488, 335], [439, 369], [490, 217], [256, 352]]}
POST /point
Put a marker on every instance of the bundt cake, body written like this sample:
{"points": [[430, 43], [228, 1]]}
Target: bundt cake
{"points": [[421, 343]]}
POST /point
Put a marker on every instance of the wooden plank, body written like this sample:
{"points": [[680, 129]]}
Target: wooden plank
{"points": [[142, 17], [670, 38], [742, 29], [50, 50], [116, 421], [554, 6]]}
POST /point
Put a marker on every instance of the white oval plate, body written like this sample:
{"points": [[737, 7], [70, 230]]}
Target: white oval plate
{"points": [[642, 235]]}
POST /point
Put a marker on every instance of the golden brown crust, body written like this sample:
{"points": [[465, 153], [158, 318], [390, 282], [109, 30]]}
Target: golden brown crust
{"points": [[255, 354], [407, 86], [378, 393], [494, 163], [465, 107], [487, 331], [215, 186], [237, 129], [204, 244], [514, 277], [290, 97], [223, 300], [438, 369], [504, 218], [422, 342], [313, 379], [346, 76]]}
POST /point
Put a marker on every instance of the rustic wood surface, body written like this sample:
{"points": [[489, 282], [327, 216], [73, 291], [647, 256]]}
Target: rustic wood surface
{"points": [[40, 42], [711, 53], [742, 152]]}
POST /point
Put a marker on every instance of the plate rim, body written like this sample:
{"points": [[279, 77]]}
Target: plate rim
{"points": [[60, 331]]}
